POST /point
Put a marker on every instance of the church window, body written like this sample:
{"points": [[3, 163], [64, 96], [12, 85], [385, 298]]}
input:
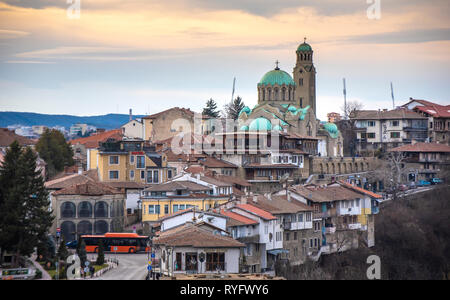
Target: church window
{"points": [[301, 102], [300, 81], [284, 94]]}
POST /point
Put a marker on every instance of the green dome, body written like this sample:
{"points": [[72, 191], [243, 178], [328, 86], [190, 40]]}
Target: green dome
{"points": [[332, 129], [260, 124], [304, 47], [246, 109], [277, 76], [292, 109], [244, 128]]}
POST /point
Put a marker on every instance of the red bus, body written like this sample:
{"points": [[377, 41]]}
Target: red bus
{"points": [[117, 242]]}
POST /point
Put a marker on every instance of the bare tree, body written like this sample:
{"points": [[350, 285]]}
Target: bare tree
{"points": [[347, 126], [352, 108]]}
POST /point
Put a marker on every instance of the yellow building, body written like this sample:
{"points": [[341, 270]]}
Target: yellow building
{"points": [[129, 160], [171, 197]]}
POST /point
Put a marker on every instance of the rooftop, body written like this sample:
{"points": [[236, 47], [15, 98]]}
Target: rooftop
{"points": [[7, 137], [94, 141], [423, 147], [90, 188]]}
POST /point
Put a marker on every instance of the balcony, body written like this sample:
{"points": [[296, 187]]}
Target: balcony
{"points": [[287, 225], [249, 239], [408, 128]]}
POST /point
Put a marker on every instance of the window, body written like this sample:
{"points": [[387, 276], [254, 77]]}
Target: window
{"points": [[300, 82], [140, 162], [308, 217], [142, 174], [169, 174], [153, 209], [300, 217], [287, 236], [371, 123], [310, 243], [149, 176], [394, 123], [114, 160], [131, 174], [395, 135], [371, 135], [215, 262], [155, 177], [266, 229], [113, 174], [132, 160], [301, 102], [166, 209], [295, 235]]}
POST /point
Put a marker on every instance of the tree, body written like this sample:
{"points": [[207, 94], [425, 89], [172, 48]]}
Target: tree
{"points": [[101, 254], [233, 108], [24, 206], [81, 251], [55, 151], [211, 109], [347, 126], [63, 253]]}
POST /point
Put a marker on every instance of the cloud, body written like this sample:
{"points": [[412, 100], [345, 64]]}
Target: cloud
{"points": [[402, 36], [12, 34]]}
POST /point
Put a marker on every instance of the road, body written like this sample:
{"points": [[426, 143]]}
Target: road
{"points": [[410, 192], [131, 267]]}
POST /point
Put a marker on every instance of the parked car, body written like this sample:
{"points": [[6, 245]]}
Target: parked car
{"points": [[412, 185], [423, 183], [435, 180]]}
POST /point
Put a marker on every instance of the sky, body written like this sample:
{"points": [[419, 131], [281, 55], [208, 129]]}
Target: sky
{"points": [[150, 55]]}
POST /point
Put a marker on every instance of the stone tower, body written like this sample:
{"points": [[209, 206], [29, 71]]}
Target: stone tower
{"points": [[305, 77]]}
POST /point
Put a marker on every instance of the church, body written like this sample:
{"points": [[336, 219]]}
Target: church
{"points": [[288, 104]]}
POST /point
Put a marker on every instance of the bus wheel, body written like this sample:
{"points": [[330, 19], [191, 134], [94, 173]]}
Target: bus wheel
{"points": [[96, 250], [131, 250]]}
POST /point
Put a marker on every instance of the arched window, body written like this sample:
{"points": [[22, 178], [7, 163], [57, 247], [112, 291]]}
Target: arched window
{"points": [[275, 94], [68, 210], [84, 227], [269, 94], [68, 230], [284, 94], [84, 210], [264, 94], [101, 210], [100, 227]]}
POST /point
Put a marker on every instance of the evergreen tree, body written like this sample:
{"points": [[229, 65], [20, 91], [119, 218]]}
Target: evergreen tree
{"points": [[24, 207], [63, 253], [55, 151], [81, 251], [101, 254], [233, 108], [211, 109]]}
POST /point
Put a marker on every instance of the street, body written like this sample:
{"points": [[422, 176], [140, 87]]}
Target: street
{"points": [[131, 267]]}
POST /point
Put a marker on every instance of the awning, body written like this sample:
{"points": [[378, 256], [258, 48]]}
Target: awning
{"points": [[277, 251]]}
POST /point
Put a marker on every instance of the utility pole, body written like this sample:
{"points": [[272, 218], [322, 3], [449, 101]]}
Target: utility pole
{"points": [[232, 92], [345, 101], [392, 95]]}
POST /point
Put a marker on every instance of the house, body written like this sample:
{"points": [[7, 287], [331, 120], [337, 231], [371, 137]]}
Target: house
{"points": [[345, 214], [134, 129], [177, 195], [81, 146], [88, 208], [129, 160], [193, 249], [384, 129], [438, 119], [195, 216], [425, 160]]}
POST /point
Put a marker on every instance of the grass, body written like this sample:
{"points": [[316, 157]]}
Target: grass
{"points": [[52, 272]]}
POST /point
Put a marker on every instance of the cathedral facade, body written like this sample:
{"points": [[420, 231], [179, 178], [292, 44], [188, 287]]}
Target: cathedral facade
{"points": [[288, 104]]}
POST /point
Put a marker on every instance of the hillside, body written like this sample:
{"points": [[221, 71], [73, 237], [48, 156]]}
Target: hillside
{"points": [[109, 121]]}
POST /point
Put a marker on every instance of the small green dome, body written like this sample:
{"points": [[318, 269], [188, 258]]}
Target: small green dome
{"points": [[277, 76], [304, 47], [260, 124], [292, 109], [332, 129], [246, 109], [244, 128]]}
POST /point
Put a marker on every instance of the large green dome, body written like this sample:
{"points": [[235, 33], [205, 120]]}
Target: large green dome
{"points": [[304, 47], [332, 129], [277, 76], [260, 124]]}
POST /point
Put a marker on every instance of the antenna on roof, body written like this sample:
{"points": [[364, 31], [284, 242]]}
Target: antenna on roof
{"points": [[345, 100], [392, 95]]}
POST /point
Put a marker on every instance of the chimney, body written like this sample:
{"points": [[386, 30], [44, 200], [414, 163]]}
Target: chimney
{"points": [[243, 200], [131, 114]]}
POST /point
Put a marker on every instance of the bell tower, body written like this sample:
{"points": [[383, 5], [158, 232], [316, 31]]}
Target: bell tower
{"points": [[305, 77]]}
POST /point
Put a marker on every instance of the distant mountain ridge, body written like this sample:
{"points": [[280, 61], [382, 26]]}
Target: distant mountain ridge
{"points": [[109, 121]]}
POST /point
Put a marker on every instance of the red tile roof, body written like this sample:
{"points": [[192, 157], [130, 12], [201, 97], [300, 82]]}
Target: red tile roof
{"points": [[423, 147], [435, 110], [88, 188], [94, 140], [7, 137], [256, 211], [238, 217], [361, 190], [212, 162]]}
